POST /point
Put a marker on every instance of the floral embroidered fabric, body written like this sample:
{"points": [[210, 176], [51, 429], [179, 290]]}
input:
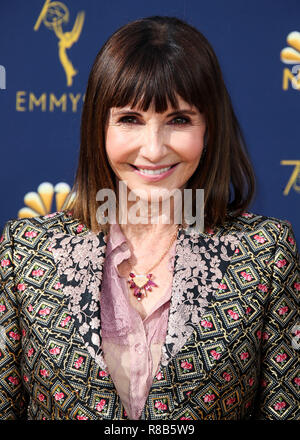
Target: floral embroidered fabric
{"points": [[232, 346], [131, 345]]}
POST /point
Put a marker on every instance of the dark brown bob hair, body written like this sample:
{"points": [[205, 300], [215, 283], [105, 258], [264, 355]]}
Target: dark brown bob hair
{"points": [[150, 61]]}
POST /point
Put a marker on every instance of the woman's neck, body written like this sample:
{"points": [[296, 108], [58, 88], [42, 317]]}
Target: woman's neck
{"points": [[150, 221], [147, 232]]}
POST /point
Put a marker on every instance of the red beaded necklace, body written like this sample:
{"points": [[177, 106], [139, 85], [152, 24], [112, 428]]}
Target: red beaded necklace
{"points": [[142, 283]]}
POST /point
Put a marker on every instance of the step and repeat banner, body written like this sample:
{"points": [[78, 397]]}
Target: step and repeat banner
{"points": [[47, 49]]}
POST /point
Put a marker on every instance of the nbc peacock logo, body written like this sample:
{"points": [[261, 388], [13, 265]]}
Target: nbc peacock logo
{"points": [[41, 202], [291, 55]]}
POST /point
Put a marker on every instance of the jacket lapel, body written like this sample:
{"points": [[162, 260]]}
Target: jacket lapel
{"points": [[79, 261], [201, 261]]}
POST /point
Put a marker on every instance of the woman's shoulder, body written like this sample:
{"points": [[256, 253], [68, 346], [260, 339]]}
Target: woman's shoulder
{"points": [[250, 221], [30, 228], [261, 230]]}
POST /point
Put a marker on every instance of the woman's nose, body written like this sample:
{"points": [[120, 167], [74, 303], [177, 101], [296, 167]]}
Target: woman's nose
{"points": [[153, 145]]}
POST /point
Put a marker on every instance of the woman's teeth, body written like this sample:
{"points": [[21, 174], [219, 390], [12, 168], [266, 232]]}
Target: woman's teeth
{"points": [[160, 171]]}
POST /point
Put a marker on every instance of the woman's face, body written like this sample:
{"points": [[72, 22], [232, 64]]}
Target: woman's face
{"points": [[137, 140]]}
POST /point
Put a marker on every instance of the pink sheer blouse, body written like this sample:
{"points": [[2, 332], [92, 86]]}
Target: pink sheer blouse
{"points": [[131, 345]]}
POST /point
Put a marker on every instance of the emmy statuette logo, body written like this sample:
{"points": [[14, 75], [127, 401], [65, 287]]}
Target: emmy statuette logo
{"points": [[54, 15], [291, 55]]}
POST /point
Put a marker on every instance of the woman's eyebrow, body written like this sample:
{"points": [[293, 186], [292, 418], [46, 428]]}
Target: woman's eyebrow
{"points": [[124, 111], [132, 112], [185, 111]]}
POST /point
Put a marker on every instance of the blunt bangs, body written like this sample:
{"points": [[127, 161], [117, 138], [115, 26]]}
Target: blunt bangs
{"points": [[154, 73], [153, 84]]}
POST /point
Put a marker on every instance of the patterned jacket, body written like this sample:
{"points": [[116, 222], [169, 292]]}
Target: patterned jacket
{"points": [[232, 345]]}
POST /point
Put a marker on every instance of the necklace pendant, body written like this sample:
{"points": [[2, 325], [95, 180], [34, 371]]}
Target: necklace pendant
{"points": [[141, 284]]}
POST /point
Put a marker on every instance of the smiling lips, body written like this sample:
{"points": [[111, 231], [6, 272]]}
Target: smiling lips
{"points": [[154, 173]]}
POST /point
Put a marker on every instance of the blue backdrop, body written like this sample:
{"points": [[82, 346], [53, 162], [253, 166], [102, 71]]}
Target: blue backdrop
{"points": [[44, 70]]}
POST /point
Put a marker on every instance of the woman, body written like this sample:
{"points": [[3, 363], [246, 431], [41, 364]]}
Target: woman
{"points": [[157, 319]]}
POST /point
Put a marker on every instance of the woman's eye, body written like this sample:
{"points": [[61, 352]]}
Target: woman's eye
{"points": [[180, 120], [131, 120], [128, 120]]}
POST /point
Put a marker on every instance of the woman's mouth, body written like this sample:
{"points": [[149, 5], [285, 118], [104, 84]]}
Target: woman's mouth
{"points": [[154, 174]]}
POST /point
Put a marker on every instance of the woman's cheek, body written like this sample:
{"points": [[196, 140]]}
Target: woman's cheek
{"points": [[123, 139], [189, 146]]}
